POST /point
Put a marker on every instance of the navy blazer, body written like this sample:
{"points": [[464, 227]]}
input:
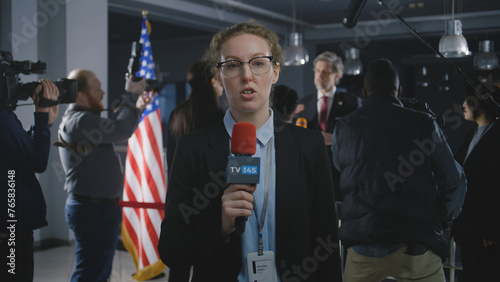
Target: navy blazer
{"points": [[481, 210], [306, 222], [22, 153]]}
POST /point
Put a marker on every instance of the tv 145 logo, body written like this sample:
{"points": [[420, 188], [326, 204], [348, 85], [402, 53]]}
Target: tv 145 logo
{"points": [[242, 169]]}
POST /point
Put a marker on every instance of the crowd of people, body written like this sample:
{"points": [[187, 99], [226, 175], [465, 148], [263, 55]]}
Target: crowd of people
{"points": [[401, 189]]}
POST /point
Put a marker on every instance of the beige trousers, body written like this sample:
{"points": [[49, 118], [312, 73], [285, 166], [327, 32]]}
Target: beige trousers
{"points": [[427, 267]]}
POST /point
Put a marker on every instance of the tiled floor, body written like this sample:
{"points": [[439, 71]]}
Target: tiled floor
{"points": [[57, 264]]}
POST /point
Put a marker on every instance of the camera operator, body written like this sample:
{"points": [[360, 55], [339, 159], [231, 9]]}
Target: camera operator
{"points": [[94, 180], [22, 154]]}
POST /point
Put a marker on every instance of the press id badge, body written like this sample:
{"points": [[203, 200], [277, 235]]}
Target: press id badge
{"points": [[261, 268]]}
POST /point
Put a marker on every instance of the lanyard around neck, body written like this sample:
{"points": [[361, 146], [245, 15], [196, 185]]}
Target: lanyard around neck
{"points": [[266, 198]]}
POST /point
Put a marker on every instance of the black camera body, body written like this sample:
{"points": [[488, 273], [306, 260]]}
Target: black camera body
{"points": [[134, 64], [12, 89]]}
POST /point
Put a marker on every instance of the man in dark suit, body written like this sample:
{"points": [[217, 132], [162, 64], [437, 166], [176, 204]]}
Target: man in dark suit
{"points": [[328, 70], [476, 230]]}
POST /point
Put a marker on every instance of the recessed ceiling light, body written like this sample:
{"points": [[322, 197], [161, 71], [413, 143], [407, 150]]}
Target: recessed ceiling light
{"points": [[416, 5]]}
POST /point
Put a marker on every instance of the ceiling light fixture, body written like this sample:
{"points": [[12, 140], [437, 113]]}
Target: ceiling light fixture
{"points": [[295, 54], [486, 59], [352, 65], [453, 44]]}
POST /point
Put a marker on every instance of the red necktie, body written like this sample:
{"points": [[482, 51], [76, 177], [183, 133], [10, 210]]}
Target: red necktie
{"points": [[322, 114]]}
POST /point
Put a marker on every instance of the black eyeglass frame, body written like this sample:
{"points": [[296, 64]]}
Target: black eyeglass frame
{"points": [[219, 64]]}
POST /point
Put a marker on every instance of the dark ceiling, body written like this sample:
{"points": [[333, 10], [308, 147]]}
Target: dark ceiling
{"points": [[124, 28], [318, 20]]}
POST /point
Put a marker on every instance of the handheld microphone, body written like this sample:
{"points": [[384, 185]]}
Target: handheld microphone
{"points": [[242, 168], [353, 13], [302, 122]]}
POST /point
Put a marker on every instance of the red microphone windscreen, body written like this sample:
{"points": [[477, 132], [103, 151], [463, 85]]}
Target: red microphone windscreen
{"points": [[244, 139]]}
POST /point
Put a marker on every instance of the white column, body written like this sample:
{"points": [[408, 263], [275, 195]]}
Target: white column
{"points": [[77, 37], [87, 38]]}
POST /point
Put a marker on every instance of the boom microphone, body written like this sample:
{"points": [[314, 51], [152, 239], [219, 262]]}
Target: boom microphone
{"points": [[353, 13], [242, 168]]}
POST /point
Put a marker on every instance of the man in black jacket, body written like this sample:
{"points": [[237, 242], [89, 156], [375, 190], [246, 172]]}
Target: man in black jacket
{"points": [[391, 159]]}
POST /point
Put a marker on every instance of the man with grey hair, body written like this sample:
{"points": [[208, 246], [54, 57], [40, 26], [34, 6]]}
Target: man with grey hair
{"points": [[323, 108]]}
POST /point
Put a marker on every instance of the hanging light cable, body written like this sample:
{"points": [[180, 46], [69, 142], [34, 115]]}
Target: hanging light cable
{"points": [[295, 54]]}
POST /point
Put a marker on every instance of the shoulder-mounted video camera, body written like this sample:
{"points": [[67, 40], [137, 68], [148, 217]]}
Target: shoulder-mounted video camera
{"points": [[134, 65], [412, 103], [12, 89]]}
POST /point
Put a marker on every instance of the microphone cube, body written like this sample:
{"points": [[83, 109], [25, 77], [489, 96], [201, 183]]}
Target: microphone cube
{"points": [[243, 170]]}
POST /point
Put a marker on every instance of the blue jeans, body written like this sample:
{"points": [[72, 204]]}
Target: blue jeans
{"points": [[96, 228]]}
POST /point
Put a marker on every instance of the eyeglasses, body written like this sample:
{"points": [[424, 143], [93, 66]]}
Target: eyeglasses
{"points": [[258, 65]]}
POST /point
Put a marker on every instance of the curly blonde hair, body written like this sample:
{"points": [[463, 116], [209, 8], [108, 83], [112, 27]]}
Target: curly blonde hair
{"points": [[212, 56]]}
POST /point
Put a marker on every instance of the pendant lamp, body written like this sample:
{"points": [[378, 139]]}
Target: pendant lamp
{"points": [[352, 64], [453, 44], [295, 54], [486, 59]]}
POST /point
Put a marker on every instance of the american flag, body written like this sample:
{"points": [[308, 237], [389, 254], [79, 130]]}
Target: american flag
{"points": [[145, 187], [147, 69]]}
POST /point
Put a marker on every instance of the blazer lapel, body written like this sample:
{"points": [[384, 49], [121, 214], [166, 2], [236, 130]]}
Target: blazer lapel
{"points": [[219, 144], [462, 151], [287, 188], [483, 143]]}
